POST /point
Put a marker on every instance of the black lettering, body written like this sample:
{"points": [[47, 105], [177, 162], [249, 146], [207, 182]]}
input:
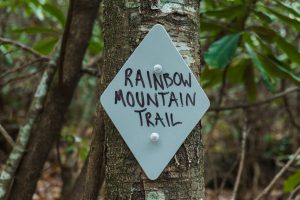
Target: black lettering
{"points": [[187, 82], [129, 96], [158, 118], [181, 99], [167, 117], [140, 115], [128, 73], [148, 117], [178, 77], [149, 99], [139, 78], [173, 98], [162, 94], [189, 99], [172, 121], [119, 97], [158, 82], [149, 79], [166, 78], [140, 98]]}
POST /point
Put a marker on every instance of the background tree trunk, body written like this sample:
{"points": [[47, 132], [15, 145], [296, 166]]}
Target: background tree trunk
{"points": [[47, 128], [125, 25]]}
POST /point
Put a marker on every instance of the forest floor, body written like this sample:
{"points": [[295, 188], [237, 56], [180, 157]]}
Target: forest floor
{"points": [[49, 188], [50, 184]]}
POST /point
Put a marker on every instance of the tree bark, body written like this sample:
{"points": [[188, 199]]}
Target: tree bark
{"points": [[95, 169], [125, 25], [48, 126]]}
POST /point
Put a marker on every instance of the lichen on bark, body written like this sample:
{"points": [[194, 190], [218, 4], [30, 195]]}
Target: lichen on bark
{"points": [[12, 163]]}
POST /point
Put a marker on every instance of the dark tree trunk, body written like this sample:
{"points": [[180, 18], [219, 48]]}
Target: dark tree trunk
{"points": [[48, 126], [125, 25]]}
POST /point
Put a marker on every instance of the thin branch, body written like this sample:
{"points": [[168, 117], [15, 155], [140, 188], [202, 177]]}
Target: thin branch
{"points": [[23, 47], [90, 71], [219, 103], [7, 136], [242, 161], [278, 175], [98, 59], [259, 103], [19, 78], [225, 178], [291, 117], [21, 67], [214, 123], [92, 67], [294, 192]]}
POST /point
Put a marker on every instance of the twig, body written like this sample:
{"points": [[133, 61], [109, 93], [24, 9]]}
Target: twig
{"points": [[23, 47], [290, 114], [19, 78], [294, 192], [21, 67], [278, 175], [225, 178], [216, 118], [91, 68], [7, 136], [90, 71], [220, 101], [242, 161], [258, 103]]}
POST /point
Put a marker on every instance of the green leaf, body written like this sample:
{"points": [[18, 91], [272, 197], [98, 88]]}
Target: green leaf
{"points": [[270, 35], [289, 21], [273, 68], [221, 52], [292, 182], [249, 81], [230, 12], [7, 57], [211, 77], [33, 30], [290, 50], [264, 32], [45, 46], [265, 18], [288, 9], [55, 12], [95, 45], [209, 25], [267, 80], [236, 70]]}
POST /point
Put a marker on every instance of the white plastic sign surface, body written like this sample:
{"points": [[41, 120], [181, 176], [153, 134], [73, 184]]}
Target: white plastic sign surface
{"points": [[155, 101]]}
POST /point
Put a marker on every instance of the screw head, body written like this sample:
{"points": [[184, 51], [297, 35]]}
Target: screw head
{"points": [[157, 68], [154, 137]]}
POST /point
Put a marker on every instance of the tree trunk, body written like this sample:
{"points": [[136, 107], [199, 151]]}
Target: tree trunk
{"points": [[125, 25], [48, 126]]}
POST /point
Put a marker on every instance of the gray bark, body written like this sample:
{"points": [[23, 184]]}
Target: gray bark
{"points": [[125, 25]]}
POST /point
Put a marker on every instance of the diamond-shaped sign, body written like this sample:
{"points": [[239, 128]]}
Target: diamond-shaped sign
{"points": [[155, 101]]}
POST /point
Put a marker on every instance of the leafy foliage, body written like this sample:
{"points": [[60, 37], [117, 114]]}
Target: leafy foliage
{"points": [[267, 33], [220, 52], [252, 46], [292, 182]]}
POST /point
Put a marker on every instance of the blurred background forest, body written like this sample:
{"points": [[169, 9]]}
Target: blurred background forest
{"points": [[250, 69]]}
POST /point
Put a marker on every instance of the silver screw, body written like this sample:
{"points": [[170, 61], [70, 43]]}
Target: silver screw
{"points": [[157, 68], [154, 137]]}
